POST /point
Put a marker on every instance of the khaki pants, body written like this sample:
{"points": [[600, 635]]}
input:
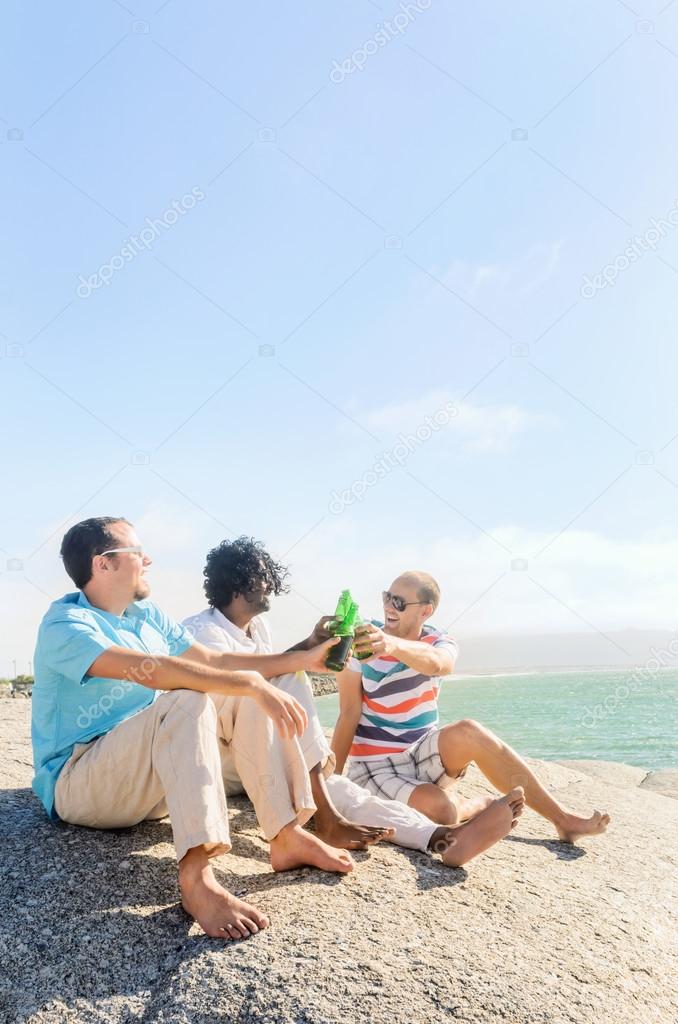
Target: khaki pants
{"points": [[173, 757]]}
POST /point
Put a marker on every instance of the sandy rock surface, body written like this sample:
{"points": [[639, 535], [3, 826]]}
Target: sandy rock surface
{"points": [[322, 685], [664, 780], [535, 931]]}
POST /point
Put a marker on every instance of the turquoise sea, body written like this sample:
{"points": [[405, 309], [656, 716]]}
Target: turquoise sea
{"points": [[629, 715]]}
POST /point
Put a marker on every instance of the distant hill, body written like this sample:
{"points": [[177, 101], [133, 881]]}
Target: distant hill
{"points": [[620, 649]]}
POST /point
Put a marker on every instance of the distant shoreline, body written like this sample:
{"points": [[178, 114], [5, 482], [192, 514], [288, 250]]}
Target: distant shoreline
{"points": [[324, 685], [471, 673]]}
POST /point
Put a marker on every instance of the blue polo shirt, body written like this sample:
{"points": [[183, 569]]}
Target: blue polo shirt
{"points": [[70, 706]]}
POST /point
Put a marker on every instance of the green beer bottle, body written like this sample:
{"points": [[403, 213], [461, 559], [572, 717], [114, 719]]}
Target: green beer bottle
{"points": [[343, 627], [360, 624]]}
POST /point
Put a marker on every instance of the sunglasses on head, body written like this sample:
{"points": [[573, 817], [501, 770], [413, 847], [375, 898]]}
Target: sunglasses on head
{"points": [[399, 603]]}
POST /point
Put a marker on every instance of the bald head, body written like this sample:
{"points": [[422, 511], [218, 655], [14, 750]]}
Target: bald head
{"points": [[426, 587]]}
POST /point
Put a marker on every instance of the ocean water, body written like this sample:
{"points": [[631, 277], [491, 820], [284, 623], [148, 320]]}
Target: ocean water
{"points": [[629, 716]]}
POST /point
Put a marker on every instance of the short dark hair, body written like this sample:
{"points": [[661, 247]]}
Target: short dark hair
{"points": [[235, 567], [429, 591], [85, 540]]}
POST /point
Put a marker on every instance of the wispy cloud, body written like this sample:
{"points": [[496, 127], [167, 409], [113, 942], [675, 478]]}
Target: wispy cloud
{"points": [[520, 276], [476, 428]]}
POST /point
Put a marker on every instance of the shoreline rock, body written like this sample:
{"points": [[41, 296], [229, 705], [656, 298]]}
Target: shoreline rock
{"points": [[534, 932], [615, 773], [322, 685]]}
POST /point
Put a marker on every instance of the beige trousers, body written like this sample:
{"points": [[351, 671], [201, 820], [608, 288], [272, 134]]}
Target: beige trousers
{"points": [[174, 758]]}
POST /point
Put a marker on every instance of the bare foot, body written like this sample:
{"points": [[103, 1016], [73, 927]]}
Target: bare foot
{"points": [[460, 844], [294, 848], [573, 827], [337, 831], [471, 808], [220, 914]]}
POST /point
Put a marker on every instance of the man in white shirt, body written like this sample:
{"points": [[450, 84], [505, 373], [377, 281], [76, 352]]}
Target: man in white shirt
{"points": [[240, 577]]}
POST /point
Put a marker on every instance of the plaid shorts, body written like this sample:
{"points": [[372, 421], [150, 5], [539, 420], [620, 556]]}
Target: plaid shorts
{"points": [[396, 777]]}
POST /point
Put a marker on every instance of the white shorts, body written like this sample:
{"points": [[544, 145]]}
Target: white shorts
{"points": [[397, 776]]}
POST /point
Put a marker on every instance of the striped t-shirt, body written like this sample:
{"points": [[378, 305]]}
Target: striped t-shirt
{"points": [[400, 705]]}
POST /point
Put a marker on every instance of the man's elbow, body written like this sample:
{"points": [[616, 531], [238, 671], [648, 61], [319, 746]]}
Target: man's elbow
{"points": [[445, 666]]}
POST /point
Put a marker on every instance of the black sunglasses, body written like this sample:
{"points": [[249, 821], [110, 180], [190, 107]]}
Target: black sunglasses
{"points": [[399, 603]]}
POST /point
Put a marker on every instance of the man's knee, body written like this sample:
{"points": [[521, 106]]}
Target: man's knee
{"points": [[192, 703], [297, 685], [432, 801], [465, 730], [461, 741], [468, 727]]}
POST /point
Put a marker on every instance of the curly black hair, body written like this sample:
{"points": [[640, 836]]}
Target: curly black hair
{"points": [[238, 566]]}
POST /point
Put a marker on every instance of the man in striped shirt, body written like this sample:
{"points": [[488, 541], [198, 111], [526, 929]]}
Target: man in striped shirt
{"points": [[388, 721]]}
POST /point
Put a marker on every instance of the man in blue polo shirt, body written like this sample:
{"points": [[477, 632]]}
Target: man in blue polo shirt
{"points": [[112, 749]]}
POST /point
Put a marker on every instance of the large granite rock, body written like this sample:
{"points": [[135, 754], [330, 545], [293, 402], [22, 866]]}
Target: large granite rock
{"points": [[534, 931]]}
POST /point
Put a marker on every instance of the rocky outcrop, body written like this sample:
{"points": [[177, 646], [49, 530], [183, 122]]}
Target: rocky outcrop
{"points": [[322, 685], [533, 931]]}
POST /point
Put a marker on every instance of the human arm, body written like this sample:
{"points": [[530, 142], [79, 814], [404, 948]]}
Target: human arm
{"points": [[350, 686], [429, 659], [164, 672], [268, 665]]}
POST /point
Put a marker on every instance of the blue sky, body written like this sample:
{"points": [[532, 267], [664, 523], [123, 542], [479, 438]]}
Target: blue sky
{"points": [[363, 251]]}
